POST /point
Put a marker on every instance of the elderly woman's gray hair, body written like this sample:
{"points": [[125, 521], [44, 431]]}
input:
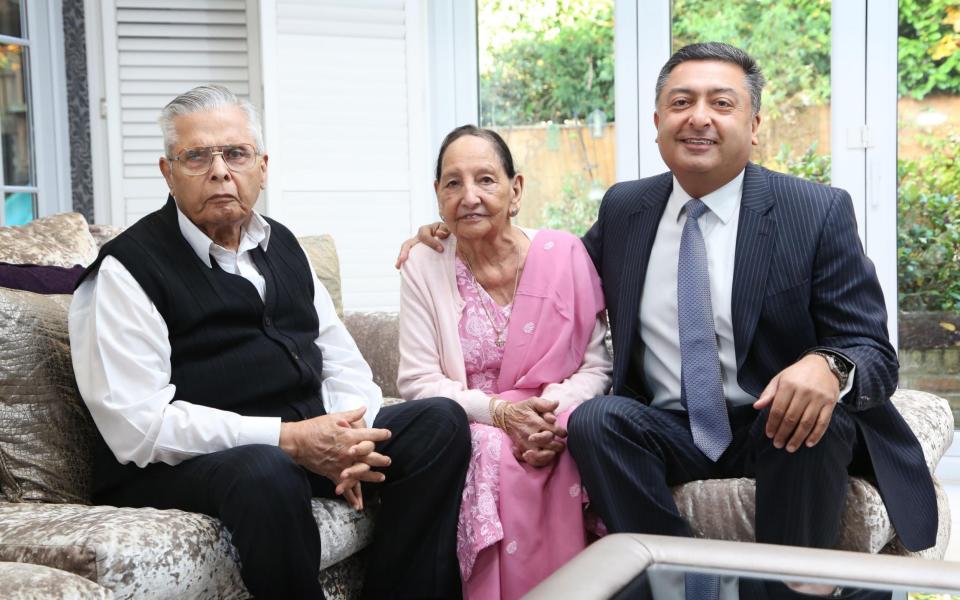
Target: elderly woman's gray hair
{"points": [[202, 99]]}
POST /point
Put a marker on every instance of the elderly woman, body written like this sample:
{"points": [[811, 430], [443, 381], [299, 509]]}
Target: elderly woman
{"points": [[508, 322]]}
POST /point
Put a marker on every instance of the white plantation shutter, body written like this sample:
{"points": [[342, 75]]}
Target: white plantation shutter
{"points": [[344, 128], [154, 51]]}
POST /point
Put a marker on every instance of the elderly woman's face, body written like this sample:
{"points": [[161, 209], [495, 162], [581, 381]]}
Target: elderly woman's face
{"points": [[474, 193]]}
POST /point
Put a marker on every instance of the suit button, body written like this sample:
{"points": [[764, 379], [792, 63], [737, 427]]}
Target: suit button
{"points": [[267, 321]]}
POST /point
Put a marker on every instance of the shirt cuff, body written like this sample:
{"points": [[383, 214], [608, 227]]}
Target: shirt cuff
{"points": [[259, 430]]}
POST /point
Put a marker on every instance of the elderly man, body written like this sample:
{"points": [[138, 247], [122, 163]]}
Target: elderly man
{"points": [[222, 381], [749, 333]]}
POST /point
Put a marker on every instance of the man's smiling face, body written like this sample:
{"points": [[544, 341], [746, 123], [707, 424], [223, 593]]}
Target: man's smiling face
{"points": [[705, 124]]}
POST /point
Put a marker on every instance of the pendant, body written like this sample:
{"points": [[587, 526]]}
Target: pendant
{"points": [[499, 342]]}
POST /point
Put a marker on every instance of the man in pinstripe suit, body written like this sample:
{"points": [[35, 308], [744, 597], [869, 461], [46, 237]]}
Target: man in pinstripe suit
{"points": [[806, 366]]}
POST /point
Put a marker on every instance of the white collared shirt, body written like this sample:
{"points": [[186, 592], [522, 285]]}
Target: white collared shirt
{"points": [[121, 356], [659, 327]]}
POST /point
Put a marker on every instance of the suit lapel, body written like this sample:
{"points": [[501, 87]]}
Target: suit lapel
{"points": [[644, 218], [755, 244]]}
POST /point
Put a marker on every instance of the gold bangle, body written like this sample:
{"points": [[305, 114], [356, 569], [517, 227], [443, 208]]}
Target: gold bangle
{"points": [[493, 410], [501, 410]]}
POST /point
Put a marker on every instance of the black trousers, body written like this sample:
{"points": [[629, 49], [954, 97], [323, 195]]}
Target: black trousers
{"points": [[263, 499], [630, 454]]}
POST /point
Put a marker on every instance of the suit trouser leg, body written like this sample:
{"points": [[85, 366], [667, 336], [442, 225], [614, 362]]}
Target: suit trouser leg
{"points": [[260, 495], [630, 455], [801, 495], [413, 553]]}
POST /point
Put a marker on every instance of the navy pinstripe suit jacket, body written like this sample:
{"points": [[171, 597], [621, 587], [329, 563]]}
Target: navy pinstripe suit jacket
{"points": [[801, 281]]}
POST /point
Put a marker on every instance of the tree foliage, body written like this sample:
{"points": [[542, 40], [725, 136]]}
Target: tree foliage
{"points": [[790, 39], [545, 60], [552, 60], [929, 47], [928, 234]]}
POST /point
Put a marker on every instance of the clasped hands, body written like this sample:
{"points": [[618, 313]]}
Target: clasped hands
{"points": [[340, 447], [532, 427], [801, 400]]}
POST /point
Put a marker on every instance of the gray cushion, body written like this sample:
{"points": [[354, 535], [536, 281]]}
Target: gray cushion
{"points": [[46, 434], [22, 581], [60, 240], [149, 553]]}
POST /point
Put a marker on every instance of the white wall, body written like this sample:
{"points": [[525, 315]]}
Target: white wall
{"points": [[344, 123]]}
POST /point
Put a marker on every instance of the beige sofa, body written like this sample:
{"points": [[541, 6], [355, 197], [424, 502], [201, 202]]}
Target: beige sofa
{"points": [[46, 436]]}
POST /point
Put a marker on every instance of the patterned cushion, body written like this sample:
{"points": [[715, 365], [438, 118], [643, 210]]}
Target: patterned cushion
{"points": [[149, 553], [21, 581], [104, 233], [377, 336], [60, 240], [323, 256], [46, 434]]}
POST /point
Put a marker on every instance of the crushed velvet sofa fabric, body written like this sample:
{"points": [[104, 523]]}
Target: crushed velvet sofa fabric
{"points": [[19, 581], [62, 240], [148, 553]]}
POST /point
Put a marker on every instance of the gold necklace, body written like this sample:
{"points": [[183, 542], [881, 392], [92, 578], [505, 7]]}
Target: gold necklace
{"points": [[500, 331]]}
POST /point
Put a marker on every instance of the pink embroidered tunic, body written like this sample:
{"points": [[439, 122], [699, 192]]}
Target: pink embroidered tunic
{"points": [[518, 523]]}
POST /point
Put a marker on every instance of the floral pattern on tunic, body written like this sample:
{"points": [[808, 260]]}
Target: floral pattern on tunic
{"points": [[479, 522]]}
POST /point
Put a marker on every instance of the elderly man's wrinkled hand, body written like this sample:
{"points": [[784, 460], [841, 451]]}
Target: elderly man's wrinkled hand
{"points": [[332, 446], [428, 234]]}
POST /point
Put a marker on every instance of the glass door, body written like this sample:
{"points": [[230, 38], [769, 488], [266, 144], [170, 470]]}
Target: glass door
{"points": [[928, 197], [546, 74]]}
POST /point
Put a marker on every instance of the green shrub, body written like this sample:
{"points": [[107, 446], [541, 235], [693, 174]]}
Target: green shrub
{"points": [[577, 209], [809, 165], [928, 230]]}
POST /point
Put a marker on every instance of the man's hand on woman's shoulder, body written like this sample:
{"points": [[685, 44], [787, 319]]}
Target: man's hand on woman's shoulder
{"points": [[428, 234]]}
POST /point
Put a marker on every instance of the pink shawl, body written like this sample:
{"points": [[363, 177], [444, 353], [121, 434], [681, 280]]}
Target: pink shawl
{"points": [[554, 315]]}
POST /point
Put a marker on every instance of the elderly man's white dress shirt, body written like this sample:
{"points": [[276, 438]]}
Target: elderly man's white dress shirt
{"points": [[121, 356]]}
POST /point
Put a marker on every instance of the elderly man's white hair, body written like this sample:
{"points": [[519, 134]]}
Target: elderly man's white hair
{"points": [[201, 99]]}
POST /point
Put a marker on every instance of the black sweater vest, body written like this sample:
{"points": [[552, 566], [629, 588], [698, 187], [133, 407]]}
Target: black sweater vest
{"points": [[229, 349]]}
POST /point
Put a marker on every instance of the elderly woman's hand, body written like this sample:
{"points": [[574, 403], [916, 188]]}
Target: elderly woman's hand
{"points": [[532, 427]]}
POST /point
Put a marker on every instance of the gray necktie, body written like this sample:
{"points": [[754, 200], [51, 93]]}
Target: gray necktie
{"points": [[701, 384]]}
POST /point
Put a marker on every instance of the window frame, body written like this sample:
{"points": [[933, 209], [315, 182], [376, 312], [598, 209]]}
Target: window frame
{"points": [[46, 77]]}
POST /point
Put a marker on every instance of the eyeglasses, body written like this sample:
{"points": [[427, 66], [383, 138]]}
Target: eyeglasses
{"points": [[197, 161]]}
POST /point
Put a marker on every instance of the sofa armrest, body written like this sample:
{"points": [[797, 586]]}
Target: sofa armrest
{"points": [[377, 335]]}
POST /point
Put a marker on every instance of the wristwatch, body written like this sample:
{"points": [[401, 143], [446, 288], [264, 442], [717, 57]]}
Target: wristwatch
{"points": [[839, 367]]}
